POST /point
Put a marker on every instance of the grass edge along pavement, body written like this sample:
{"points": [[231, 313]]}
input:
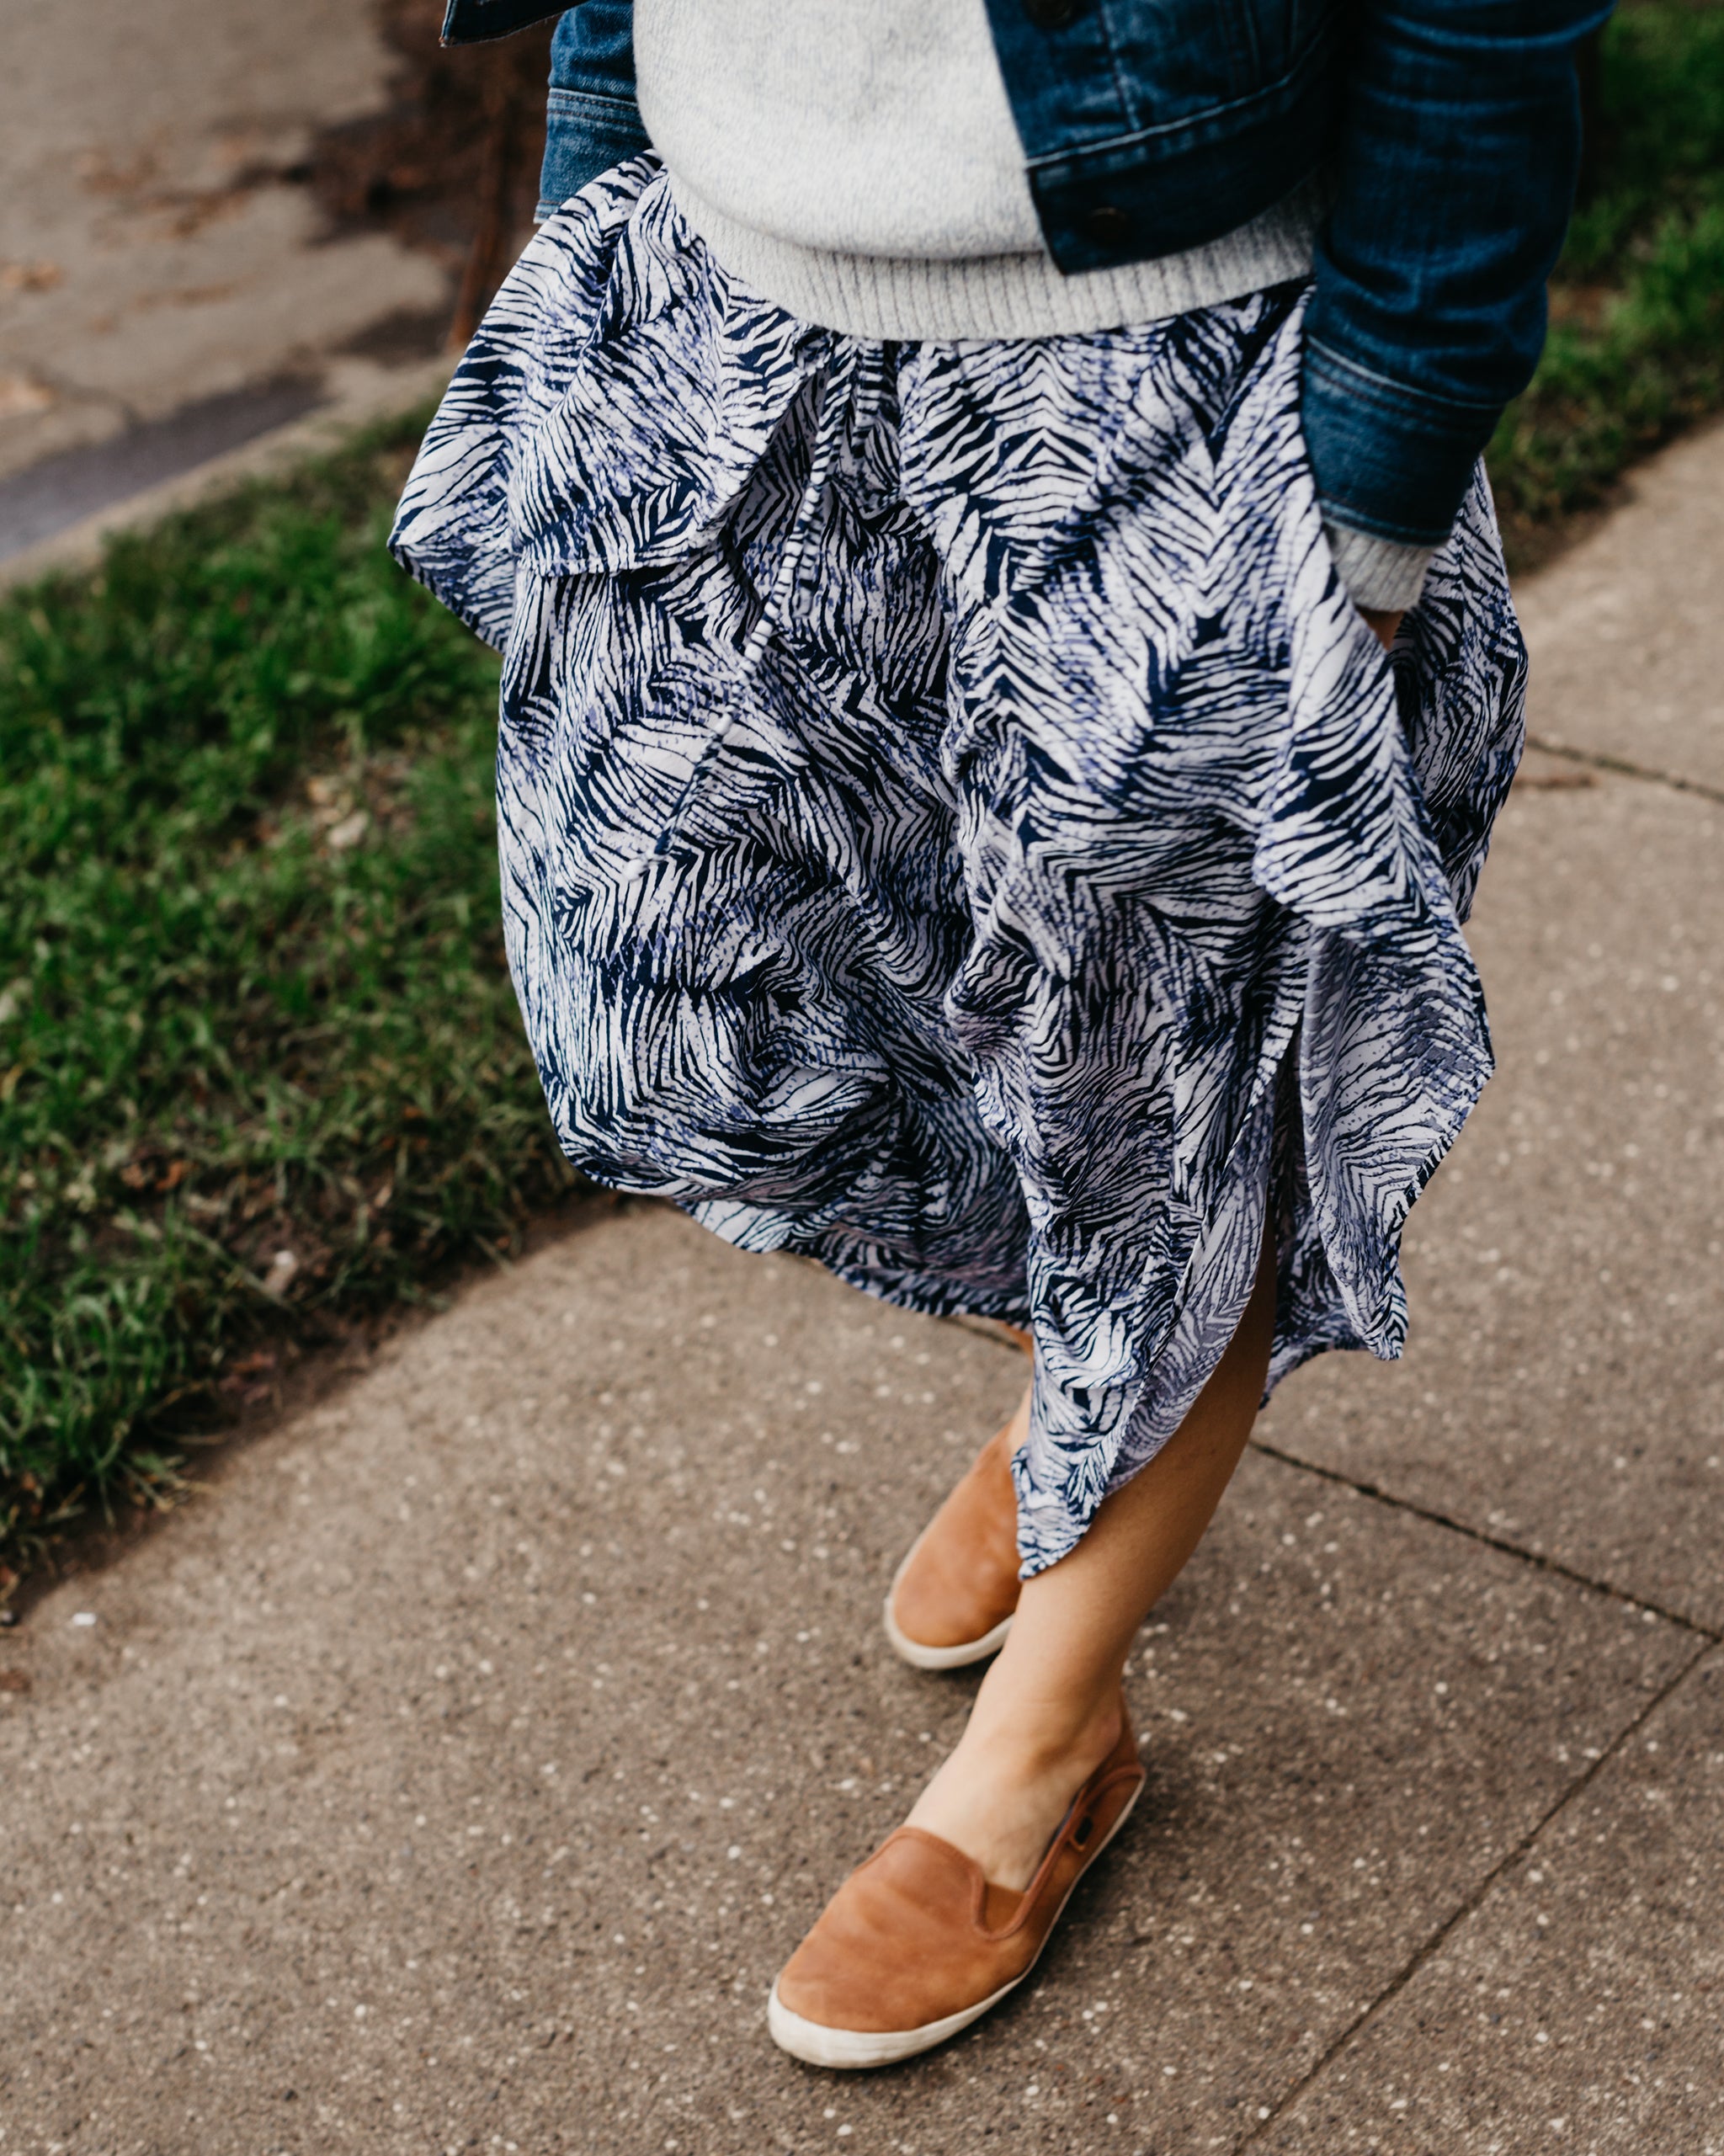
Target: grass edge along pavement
{"points": [[261, 1073]]}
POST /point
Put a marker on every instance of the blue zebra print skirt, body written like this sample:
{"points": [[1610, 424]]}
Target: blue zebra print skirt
{"points": [[953, 823]]}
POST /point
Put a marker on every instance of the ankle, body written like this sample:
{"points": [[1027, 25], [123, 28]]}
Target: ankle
{"points": [[1031, 1741], [1002, 1793]]}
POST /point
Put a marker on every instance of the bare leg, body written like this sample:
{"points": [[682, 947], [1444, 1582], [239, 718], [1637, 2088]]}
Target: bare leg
{"points": [[1047, 1712]]}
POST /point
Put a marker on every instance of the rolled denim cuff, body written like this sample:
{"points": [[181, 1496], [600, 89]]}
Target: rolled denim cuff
{"points": [[585, 134], [1388, 460], [1379, 573]]}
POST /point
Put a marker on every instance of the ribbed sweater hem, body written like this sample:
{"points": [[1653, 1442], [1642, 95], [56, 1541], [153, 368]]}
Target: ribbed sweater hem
{"points": [[1378, 573], [1007, 296]]}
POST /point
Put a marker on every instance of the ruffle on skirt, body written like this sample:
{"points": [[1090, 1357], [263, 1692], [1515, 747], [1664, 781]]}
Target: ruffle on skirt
{"points": [[955, 824]]}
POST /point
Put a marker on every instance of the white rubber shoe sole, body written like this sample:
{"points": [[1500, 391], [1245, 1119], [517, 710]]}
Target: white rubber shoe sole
{"points": [[938, 1658], [816, 2045]]}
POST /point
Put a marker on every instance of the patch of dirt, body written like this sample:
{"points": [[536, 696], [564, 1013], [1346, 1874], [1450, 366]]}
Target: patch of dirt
{"points": [[408, 334]]}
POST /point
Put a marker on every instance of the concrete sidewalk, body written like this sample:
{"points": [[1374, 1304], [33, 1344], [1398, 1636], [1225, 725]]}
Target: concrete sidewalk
{"points": [[456, 1773], [167, 291]]}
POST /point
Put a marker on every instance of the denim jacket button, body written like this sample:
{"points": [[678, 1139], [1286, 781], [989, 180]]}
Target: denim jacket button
{"points": [[1107, 225], [1050, 14]]}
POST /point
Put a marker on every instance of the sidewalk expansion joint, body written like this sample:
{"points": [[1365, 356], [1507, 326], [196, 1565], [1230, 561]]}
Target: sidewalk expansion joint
{"points": [[1597, 760], [1424, 1952], [1535, 1557], [988, 1330]]}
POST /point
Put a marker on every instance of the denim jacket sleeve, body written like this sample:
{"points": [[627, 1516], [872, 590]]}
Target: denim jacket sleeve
{"points": [[592, 121], [1458, 156]]}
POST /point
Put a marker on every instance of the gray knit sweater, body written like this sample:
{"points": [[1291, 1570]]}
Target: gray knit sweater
{"points": [[860, 167]]}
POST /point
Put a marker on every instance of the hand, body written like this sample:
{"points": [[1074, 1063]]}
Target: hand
{"points": [[1384, 622]]}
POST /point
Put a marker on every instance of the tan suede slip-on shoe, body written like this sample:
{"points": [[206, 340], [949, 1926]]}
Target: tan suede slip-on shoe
{"points": [[952, 1599], [917, 1943]]}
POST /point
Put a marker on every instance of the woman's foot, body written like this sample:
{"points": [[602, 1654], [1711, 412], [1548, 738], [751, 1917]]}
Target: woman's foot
{"points": [[919, 1942], [953, 1596], [951, 1911]]}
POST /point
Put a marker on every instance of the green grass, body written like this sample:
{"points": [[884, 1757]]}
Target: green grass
{"points": [[252, 997], [1636, 344]]}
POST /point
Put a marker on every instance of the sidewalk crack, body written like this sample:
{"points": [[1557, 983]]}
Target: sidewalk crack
{"points": [[1707, 1633], [1597, 760], [1423, 1953]]}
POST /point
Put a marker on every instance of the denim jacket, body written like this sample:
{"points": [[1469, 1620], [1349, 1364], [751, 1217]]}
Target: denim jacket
{"points": [[1450, 130]]}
